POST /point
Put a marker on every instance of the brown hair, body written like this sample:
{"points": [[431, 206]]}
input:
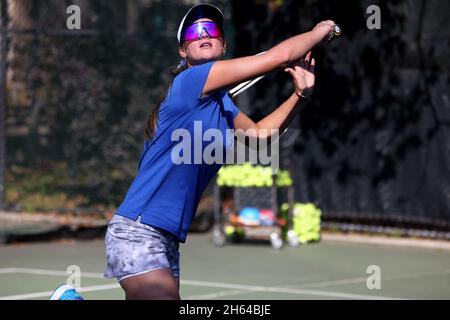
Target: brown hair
{"points": [[152, 120]]}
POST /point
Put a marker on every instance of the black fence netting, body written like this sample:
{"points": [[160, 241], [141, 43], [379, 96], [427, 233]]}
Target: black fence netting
{"points": [[78, 99], [375, 141]]}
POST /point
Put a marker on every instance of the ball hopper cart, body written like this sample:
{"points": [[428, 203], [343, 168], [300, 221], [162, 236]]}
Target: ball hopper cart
{"points": [[231, 197]]}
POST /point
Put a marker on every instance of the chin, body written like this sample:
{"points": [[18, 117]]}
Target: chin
{"points": [[208, 58]]}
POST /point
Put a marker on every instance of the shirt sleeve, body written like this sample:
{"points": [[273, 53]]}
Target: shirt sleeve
{"points": [[191, 81], [230, 106]]}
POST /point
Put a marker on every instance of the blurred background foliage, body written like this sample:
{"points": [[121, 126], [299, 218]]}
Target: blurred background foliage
{"points": [[78, 100]]}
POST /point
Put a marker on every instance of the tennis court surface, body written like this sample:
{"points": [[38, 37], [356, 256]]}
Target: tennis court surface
{"points": [[326, 270]]}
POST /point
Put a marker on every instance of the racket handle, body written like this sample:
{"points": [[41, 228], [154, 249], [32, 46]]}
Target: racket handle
{"points": [[335, 32]]}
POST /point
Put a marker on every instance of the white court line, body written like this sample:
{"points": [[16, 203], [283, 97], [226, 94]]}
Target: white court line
{"points": [[334, 282], [363, 279], [6, 270], [47, 294], [189, 283], [215, 295], [28, 296], [49, 272], [286, 290], [319, 284]]}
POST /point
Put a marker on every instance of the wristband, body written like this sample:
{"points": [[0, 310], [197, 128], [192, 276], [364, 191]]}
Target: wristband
{"points": [[300, 95]]}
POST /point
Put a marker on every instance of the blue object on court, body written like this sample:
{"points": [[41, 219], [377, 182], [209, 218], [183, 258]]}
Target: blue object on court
{"points": [[65, 292], [249, 215]]}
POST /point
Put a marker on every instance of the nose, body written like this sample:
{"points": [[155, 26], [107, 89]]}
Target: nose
{"points": [[204, 34]]}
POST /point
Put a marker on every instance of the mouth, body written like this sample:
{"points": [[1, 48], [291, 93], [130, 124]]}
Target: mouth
{"points": [[206, 45]]}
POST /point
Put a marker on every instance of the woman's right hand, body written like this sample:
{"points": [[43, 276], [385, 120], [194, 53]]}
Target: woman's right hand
{"points": [[325, 28]]}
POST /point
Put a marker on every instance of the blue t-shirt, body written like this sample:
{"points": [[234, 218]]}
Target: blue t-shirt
{"points": [[164, 193]]}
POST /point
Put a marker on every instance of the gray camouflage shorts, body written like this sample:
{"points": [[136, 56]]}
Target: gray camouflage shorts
{"points": [[134, 248]]}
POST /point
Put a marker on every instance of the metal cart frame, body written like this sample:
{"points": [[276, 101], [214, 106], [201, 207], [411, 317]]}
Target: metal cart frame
{"points": [[273, 233]]}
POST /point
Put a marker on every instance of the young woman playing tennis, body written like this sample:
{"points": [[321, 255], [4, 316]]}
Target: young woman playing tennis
{"points": [[142, 240]]}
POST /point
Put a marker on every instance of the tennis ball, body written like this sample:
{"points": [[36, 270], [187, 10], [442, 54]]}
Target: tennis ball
{"points": [[259, 183], [229, 230]]}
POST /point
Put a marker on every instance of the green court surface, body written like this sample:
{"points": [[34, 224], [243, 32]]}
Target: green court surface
{"points": [[325, 270]]}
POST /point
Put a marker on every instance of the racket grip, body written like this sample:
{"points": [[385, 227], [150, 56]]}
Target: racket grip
{"points": [[334, 33]]}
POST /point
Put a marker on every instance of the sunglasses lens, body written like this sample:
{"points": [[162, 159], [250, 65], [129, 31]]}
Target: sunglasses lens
{"points": [[195, 31]]}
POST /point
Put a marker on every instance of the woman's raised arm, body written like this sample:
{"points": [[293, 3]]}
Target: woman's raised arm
{"points": [[227, 73]]}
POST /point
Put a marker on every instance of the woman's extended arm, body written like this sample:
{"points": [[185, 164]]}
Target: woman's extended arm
{"points": [[226, 73]]}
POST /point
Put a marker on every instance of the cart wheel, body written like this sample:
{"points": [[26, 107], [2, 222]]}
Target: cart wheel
{"points": [[292, 238], [218, 238], [276, 241]]}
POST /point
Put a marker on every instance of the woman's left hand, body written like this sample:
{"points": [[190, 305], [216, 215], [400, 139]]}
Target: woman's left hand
{"points": [[303, 75]]}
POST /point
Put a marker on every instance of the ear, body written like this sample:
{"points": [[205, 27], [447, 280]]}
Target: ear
{"points": [[224, 47], [182, 51]]}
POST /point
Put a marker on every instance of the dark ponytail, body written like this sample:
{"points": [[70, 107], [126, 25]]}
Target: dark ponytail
{"points": [[152, 120]]}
